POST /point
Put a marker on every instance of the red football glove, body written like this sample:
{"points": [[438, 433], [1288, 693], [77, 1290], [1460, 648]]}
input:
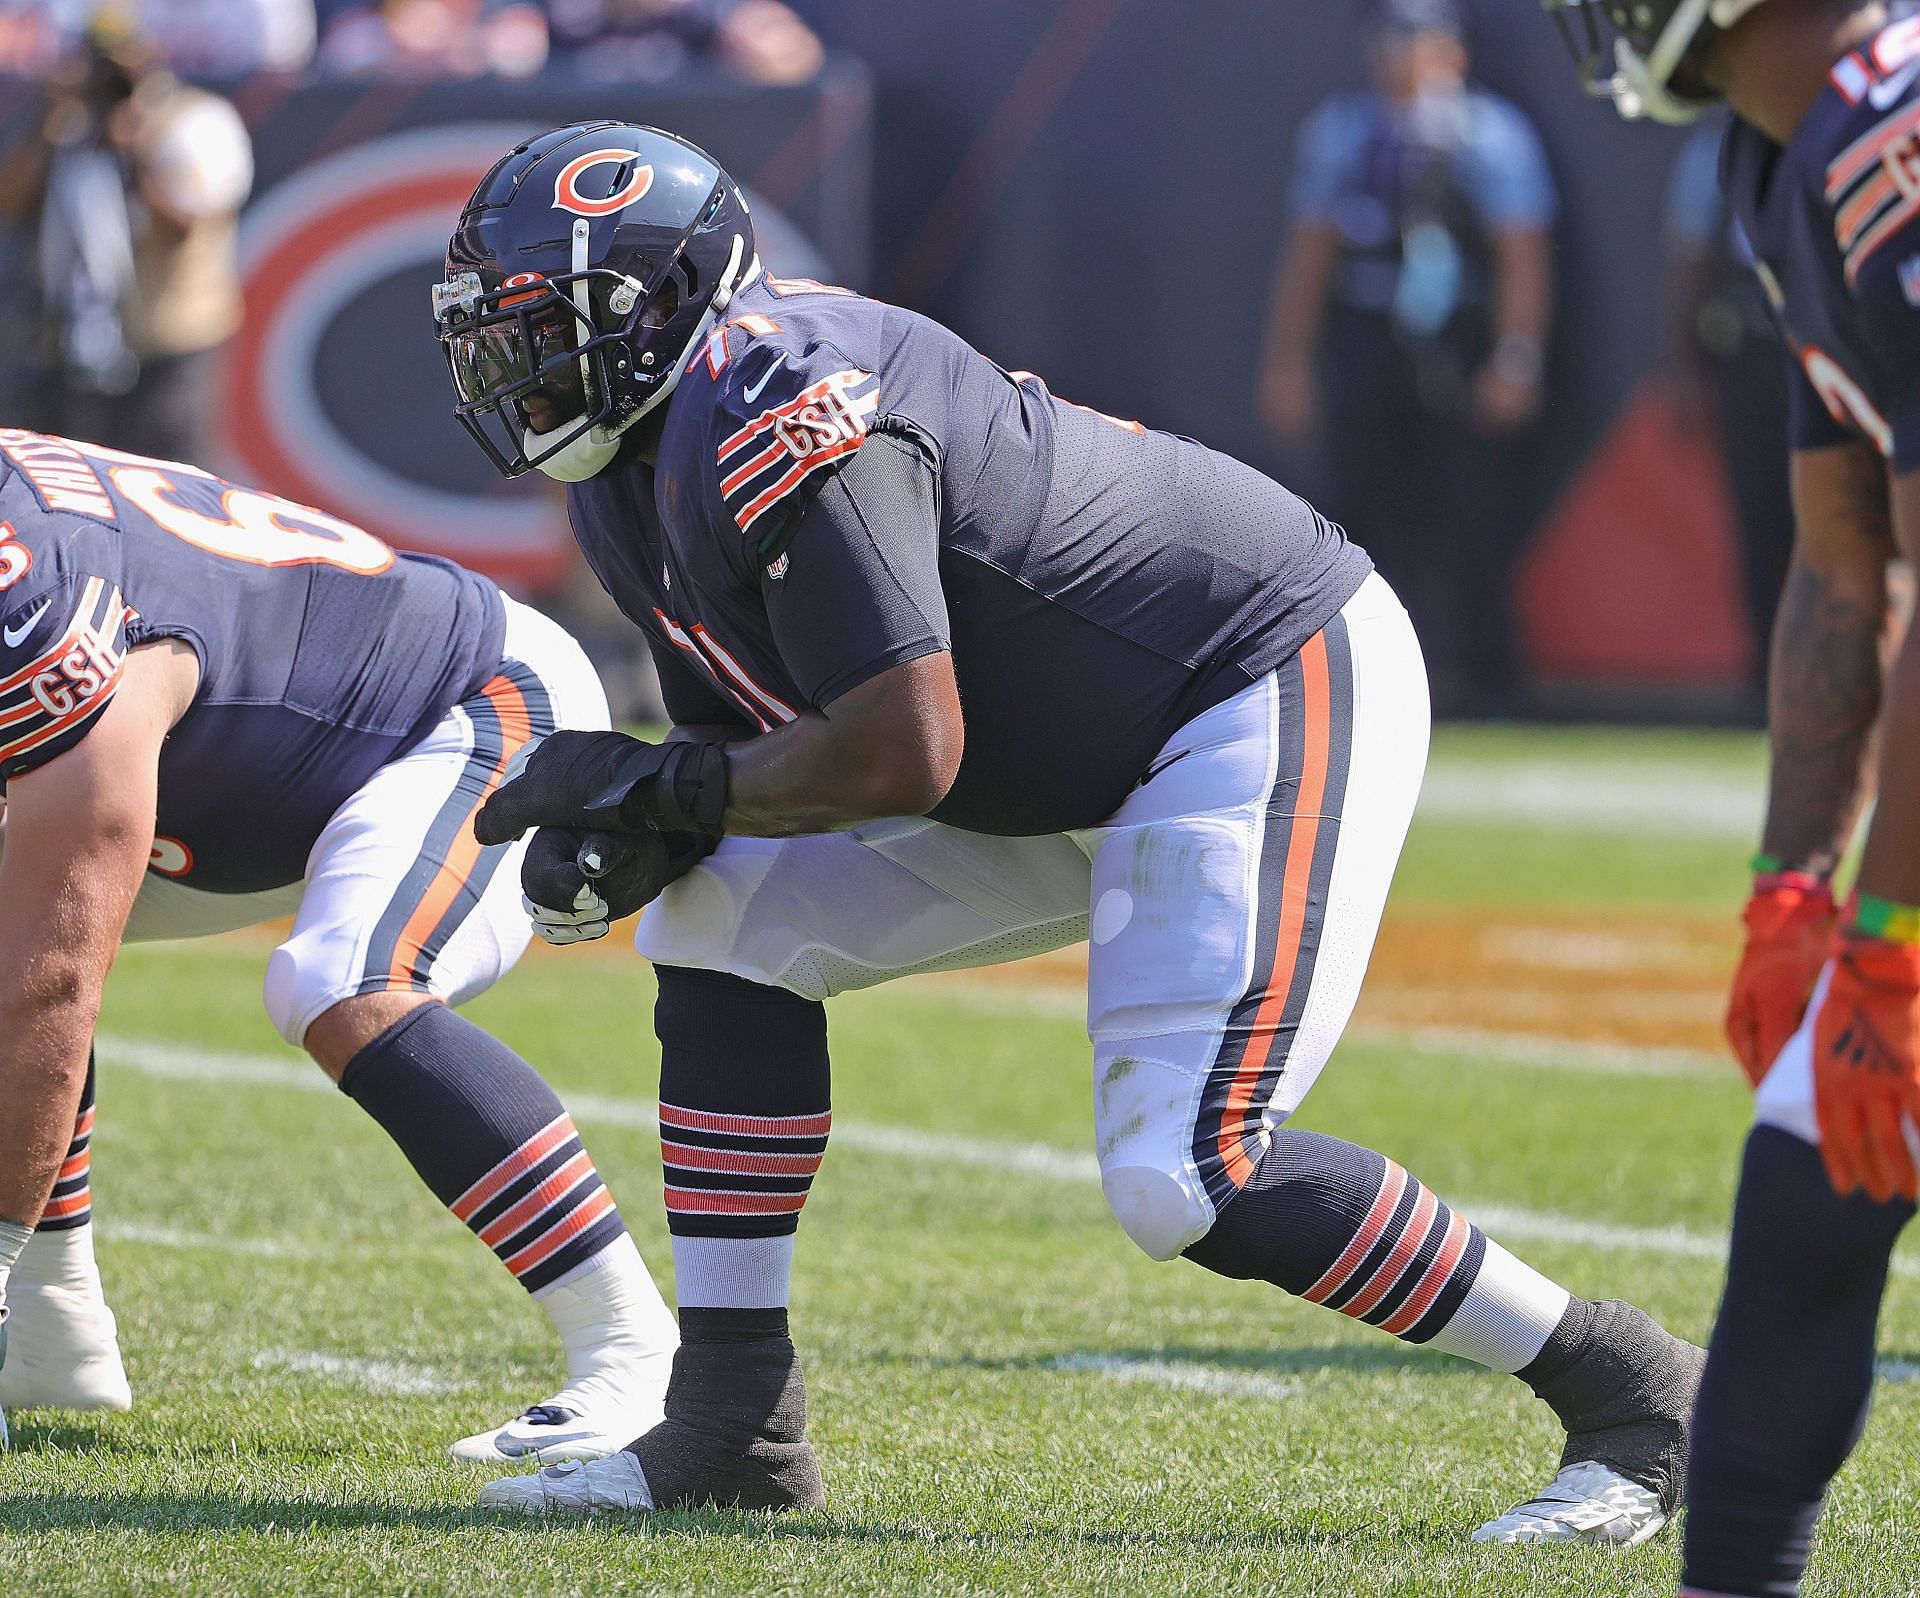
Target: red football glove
{"points": [[1789, 935], [1866, 1066]]}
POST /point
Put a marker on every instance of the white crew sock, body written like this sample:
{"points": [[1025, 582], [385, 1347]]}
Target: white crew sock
{"points": [[1507, 1315], [614, 1326], [733, 1272]]}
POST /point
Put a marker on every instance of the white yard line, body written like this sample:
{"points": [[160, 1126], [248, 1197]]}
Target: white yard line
{"points": [[1046, 1161], [394, 1378], [1628, 797], [141, 1233], [1182, 1375]]}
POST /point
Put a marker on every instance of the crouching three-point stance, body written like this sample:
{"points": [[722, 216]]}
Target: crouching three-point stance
{"points": [[216, 708], [1194, 727]]}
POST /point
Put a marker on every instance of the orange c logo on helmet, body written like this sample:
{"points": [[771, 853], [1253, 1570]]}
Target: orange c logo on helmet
{"points": [[566, 190], [522, 280]]}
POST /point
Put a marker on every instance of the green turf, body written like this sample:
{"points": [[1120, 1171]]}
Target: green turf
{"points": [[934, 1299]]}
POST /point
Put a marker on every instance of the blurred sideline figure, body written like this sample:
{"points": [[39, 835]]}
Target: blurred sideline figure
{"points": [[1724, 371], [229, 38], [132, 192], [218, 708], [1408, 329], [760, 41]]}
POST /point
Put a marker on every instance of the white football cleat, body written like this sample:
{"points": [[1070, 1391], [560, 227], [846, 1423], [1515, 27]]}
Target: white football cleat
{"points": [[63, 1346], [1585, 1503], [567, 1426], [619, 1337], [575, 1487]]}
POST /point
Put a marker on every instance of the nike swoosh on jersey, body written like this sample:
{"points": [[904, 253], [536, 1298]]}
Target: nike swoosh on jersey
{"points": [[13, 635], [752, 391], [1887, 92]]}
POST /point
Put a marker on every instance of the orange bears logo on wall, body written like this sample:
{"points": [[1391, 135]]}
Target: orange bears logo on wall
{"points": [[566, 187]]}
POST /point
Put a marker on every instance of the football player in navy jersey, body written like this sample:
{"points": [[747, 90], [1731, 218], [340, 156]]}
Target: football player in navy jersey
{"points": [[960, 672], [1822, 168], [218, 707]]}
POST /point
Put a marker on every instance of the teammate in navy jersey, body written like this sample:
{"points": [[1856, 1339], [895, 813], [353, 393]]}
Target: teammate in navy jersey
{"points": [[1822, 168], [961, 672], [218, 707]]}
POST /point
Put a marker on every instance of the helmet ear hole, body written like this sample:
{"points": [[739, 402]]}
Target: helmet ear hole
{"points": [[663, 305]]}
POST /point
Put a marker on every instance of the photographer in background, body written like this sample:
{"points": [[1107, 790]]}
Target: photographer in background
{"points": [[132, 193], [1408, 329]]}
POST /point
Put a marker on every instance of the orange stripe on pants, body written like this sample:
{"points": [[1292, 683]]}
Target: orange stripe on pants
{"points": [[1296, 885], [516, 727]]}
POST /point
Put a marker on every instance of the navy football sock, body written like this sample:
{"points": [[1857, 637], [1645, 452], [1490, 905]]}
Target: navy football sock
{"points": [[1789, 1371], [744, 1117], [1342, 1226], [491, 1140], [71, 1203]]}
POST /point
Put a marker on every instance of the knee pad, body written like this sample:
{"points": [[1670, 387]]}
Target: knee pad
{"points": [[301, 985], [1154, 1207]]}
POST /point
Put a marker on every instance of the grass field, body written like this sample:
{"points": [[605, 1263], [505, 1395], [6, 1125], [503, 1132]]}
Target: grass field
{"points": [[1006, 1395]]}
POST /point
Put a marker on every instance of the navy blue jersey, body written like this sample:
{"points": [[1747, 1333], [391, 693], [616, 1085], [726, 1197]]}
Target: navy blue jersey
{"points": [[843, 486], [323, 655], [1834, 220]]}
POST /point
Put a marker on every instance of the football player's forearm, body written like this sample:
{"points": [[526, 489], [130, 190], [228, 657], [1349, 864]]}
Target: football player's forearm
{"points": [[1890, 868], [809, 776], [889, 747], [1825, 700], [1828, 648]]}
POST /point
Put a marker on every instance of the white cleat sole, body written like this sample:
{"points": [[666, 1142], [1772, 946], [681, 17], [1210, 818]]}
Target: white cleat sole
{"points": [[1585, 1503], [576, 1487]]}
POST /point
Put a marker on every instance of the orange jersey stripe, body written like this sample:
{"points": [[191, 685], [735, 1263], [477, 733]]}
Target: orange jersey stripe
{"points": [[72, 1204], [1295, 889], [516, 728]]}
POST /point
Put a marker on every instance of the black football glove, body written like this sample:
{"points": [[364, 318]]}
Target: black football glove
{"points": [[608, 782], [576, 885]]}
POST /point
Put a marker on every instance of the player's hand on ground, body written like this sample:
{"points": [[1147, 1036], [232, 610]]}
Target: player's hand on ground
{"points": [[1789, 924], [608, 782], [576, 885], [1866, 1066]]}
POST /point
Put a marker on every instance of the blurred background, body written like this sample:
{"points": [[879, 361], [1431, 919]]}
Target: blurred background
{"points": [[1379, 248]]}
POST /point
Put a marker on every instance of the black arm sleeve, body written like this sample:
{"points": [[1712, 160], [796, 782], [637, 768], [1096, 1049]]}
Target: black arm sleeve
{"points": [[856, 590], [691, 700]]}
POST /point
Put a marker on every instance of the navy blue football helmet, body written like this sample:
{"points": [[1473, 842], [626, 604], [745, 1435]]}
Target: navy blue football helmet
{"points": [[1645, 55], [585, 272]]}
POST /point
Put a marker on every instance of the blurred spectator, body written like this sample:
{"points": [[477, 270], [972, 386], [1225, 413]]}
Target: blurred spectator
{"points": [[35, 34], [132, 191], [228, 38], [1723, 372], [761, 41], [1408, 329], [424, 39]]}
